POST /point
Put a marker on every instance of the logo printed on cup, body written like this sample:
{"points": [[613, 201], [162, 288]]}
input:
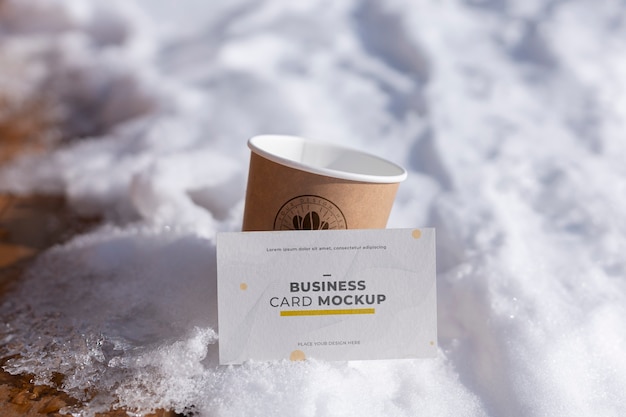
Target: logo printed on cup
{"points": [[324, 177], [309, 212]]}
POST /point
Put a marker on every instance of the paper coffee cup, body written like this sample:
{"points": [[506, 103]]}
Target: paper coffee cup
{"points": [[301, 184]]}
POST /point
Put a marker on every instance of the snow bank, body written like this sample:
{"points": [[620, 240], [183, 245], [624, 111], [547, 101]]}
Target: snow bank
{"points": [[508, 115]]}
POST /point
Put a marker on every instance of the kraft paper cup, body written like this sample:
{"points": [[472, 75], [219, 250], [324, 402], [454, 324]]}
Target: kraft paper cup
{"points": [[296, 183]]}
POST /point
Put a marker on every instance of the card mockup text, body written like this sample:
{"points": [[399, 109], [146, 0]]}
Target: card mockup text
{"points": [[330, 295]]}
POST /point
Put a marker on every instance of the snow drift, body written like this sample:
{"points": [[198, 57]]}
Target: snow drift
{"points": [[509, 116]]}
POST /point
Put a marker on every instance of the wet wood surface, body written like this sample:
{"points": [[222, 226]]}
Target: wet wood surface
{"points": [[30, 224]]}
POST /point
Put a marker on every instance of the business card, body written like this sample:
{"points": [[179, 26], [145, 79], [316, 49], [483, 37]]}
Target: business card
{"points": [[332, 295]]}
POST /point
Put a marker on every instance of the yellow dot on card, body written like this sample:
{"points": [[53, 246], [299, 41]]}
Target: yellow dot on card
{"points": [[432, 343], [243, 286], [417, 233], [297, 355]]}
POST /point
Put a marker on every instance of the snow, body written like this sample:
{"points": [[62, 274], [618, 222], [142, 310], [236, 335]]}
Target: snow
{"points": [[508, 115]]}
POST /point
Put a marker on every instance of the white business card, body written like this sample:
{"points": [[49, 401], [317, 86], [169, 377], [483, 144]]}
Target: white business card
{"points": [[330, 295]]}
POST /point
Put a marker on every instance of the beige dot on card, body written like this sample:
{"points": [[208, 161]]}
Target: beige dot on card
{"points": [[297, 355], [417, 233], [243, 286]]}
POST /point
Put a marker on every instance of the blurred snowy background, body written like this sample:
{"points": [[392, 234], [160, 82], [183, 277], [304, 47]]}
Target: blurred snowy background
{"points": [[509, 116]]}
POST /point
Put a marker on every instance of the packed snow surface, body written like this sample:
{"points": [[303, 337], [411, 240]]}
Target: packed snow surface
{"points": [[508, 115]]}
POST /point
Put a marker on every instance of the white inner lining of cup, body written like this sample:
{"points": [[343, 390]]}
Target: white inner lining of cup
{"points": [[326, 159]]}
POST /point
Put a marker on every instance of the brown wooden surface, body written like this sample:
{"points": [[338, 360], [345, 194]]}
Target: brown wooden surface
{"points": [[28, 226]]}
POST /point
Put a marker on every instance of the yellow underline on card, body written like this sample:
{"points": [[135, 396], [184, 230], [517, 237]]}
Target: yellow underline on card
{"points": [[285, 313]]}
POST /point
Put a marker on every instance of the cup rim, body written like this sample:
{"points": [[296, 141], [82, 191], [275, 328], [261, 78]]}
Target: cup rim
{"points": [[397, 173]]}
